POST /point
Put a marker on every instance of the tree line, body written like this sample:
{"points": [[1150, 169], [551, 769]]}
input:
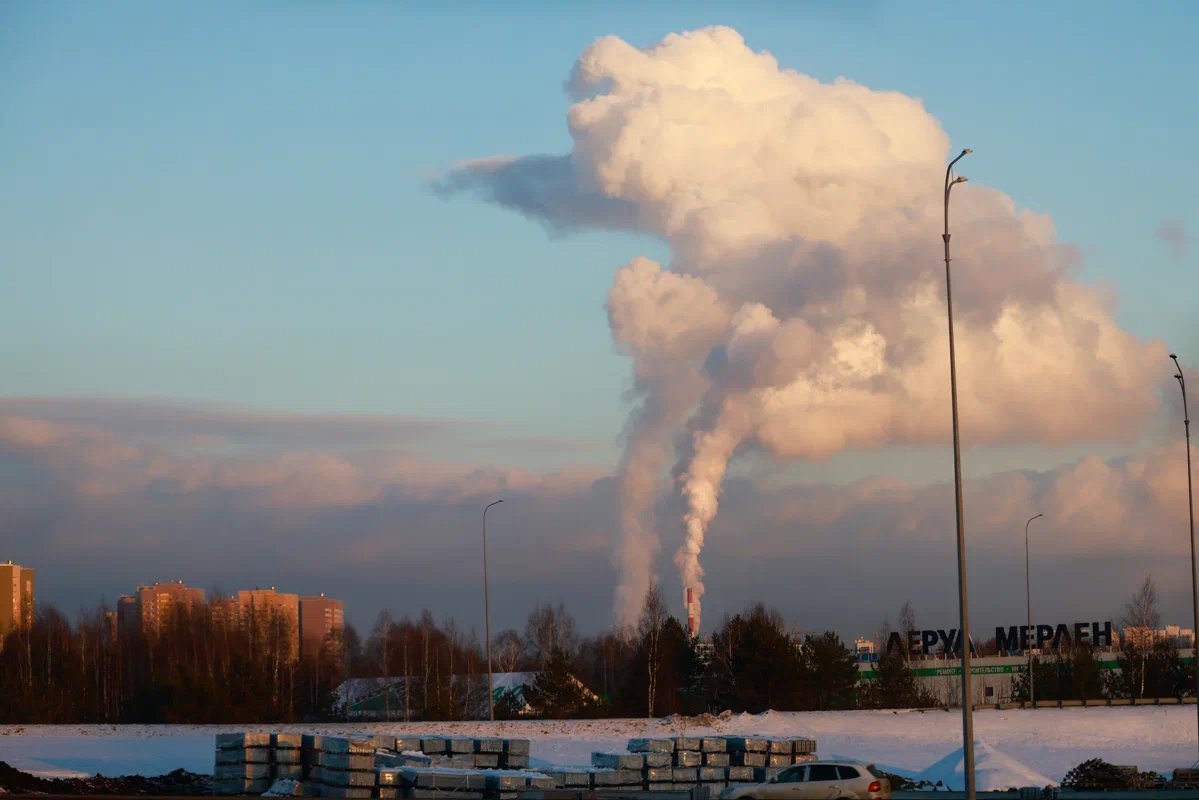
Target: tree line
{"points": [[199, 668]]}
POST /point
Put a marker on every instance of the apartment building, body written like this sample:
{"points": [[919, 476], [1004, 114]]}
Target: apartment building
{"points": [[151, 607], [320, 618], [16, 597], [261, 607]]}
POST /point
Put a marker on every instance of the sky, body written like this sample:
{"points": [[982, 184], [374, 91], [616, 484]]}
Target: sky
{"points": [[246, 341]]}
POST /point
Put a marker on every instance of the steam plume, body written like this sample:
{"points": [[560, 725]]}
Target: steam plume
{"points": [[803, 311]]}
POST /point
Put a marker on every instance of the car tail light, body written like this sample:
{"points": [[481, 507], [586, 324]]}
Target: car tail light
{"points": [[875, 787]]}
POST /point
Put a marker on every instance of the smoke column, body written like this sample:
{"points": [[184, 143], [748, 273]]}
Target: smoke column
{"points": [[802, 312]]}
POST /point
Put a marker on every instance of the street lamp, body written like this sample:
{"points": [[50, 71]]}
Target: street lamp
{"points": [[1186, 422], [964, 623], [487, 616], [1032, 684]]}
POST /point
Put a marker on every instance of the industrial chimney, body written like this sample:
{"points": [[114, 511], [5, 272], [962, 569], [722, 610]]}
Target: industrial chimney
{"points": [[689, 602]]}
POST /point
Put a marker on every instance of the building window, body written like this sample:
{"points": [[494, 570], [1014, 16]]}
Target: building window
{"points": [[990, 691]]}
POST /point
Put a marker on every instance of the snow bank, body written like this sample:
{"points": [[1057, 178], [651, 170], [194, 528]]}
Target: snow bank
{"points": [[994, 771]]}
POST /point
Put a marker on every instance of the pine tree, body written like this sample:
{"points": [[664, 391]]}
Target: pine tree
{"points": [[894, 686], [556, 693], [830, 672]]}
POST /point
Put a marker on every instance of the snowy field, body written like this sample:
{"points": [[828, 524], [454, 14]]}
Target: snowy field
{"points": [[1016, 748]]}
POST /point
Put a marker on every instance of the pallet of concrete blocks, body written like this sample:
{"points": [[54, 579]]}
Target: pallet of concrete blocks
{"points": [[242, 763], [345, 766], [450, 784], [419, 782]]}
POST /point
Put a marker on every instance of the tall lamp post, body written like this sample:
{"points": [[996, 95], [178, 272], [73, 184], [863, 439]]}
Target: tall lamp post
{"points": [[1186, 422], [487, 616], [1032, 684], [964, 623]]}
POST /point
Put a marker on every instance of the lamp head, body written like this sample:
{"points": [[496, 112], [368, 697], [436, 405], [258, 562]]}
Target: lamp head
{"points": [[967, 151], [1172, 355]]}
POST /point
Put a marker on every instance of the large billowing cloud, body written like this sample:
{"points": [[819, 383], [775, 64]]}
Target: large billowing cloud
{"points": [[803, 312], [99, 508]]}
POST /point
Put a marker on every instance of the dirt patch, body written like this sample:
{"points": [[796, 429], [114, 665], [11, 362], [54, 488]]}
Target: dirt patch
{"points": [[179, 782]]}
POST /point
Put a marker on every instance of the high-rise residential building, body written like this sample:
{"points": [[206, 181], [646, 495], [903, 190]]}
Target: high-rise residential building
{"points": [[128, 620], [224, 613], [320, 618], [16, 597], [262, 607], [1176, 635], [151, 607]]}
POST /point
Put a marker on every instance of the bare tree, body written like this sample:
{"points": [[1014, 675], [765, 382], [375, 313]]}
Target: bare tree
{"points": [[907, 624], [382, 633], [550, 628], [507, 650], [1141, 619], [649, 628]]}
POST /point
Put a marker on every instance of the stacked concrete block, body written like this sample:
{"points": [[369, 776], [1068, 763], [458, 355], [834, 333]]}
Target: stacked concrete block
{"points": [[487, 753], [619, 761], [747, 759], [286, 757], [345, 767], [739, 775], [565, 778], [684, 762], [516, 754], [408, 744], [604, 778], [242, 763], [688, 775]]}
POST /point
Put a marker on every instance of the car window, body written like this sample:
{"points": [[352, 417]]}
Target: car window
{"points": [[822, 772], [848, 773], [873, 770], [793, 775]]}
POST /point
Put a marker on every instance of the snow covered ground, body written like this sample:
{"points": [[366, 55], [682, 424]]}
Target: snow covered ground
{"points": [[1016, 748]]}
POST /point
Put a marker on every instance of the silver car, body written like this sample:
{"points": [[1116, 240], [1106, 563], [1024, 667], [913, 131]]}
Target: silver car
{"points": [[817, 780]]}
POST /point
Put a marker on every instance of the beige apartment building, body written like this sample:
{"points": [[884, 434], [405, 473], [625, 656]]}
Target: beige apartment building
{"points": [[16, 597], [151, 607], [320, 618], [259, 606]]}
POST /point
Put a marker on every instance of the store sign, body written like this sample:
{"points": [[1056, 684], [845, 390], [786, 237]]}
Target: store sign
{"points": [[1015, 637]]}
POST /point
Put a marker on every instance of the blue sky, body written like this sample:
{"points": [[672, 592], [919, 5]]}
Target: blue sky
{"points": [[225, 201], [228, 201]]}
